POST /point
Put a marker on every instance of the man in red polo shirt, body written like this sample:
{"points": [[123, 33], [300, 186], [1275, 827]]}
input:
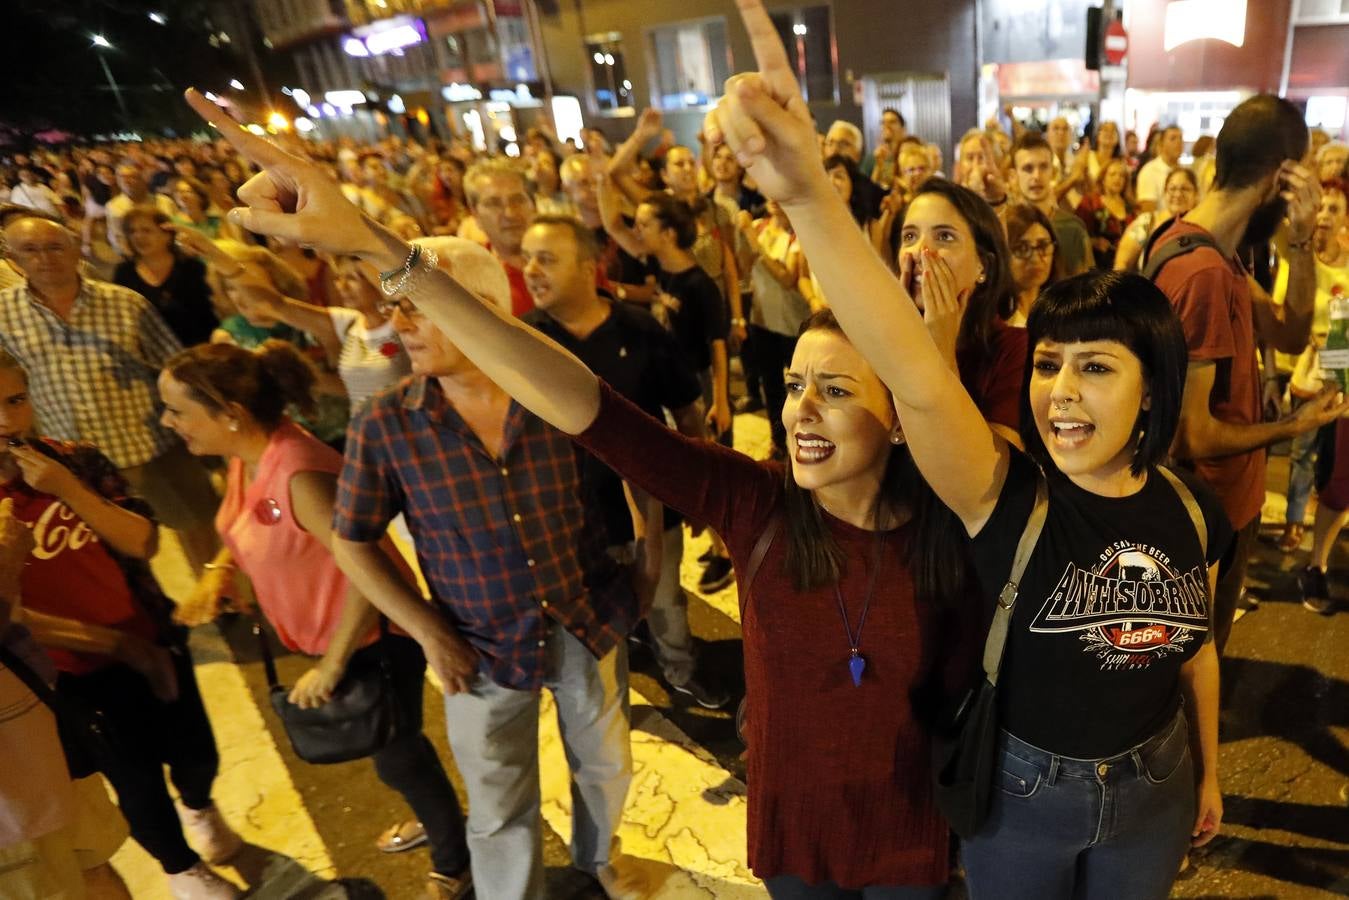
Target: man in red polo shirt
{"points": [[499, 198], [1224, 313]]}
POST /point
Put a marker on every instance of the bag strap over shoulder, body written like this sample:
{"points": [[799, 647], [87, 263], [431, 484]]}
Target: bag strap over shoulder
{"points": [[756, 557], [265, 648], [31, 679], [1191, 506], [1159, 251], [1002, 616]]}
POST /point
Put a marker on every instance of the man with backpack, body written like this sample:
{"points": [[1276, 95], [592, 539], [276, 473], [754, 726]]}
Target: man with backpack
{"points": [[1259, 180]]}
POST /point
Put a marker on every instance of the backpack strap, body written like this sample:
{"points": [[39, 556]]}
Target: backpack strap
{"points": [[1158, 252], [1191, 507], [756, 558], [1002, 615]]}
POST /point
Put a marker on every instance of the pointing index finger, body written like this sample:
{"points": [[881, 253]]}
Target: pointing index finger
{"points": [[769, 54], [258, 150]]}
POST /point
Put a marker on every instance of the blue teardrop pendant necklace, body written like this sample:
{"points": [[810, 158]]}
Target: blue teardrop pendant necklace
{"points": [[857, 663]]}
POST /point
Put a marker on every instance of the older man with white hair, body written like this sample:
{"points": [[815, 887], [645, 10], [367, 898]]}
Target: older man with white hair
{"points": [[523, 595]]}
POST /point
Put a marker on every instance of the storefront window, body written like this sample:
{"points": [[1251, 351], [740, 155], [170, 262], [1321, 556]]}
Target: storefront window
{"points": [[690, 61], [807, 33], [608, 73]]}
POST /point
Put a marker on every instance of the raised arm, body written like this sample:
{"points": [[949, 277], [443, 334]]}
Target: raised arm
{"points": [[611, 217], [295, 200], [624, 160], [765, 121]]}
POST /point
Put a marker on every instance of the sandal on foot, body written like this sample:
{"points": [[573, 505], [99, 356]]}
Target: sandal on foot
{"points": [[400, 837]]}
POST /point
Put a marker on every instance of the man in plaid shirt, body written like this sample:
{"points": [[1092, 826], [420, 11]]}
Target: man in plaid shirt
{"points": [[520, 601], [93, 352]]}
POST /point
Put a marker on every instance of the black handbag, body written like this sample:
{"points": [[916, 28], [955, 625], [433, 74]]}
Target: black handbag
{"points": [[965, 746], [86, 736], [362, 717]]}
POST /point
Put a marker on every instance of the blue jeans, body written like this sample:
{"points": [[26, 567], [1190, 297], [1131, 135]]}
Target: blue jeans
{"points": [[1081, 829], [1301, 474]]}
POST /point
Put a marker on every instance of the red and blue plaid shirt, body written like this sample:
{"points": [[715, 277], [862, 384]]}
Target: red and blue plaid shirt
{"points": [[505, 544]]}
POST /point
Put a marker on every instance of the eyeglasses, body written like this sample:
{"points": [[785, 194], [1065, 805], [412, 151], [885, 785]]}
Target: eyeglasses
{"points": [[403, 305], [1024, 251]]}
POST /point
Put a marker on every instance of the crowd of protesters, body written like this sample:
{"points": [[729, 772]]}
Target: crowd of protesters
{"points": [[517, 374]]}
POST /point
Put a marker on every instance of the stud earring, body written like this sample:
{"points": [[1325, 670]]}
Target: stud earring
{"points": [[234, 425], [981, 277], [896, 438]]}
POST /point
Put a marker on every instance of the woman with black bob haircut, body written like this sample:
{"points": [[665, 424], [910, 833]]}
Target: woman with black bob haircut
{"points": [[1107, 696], [1126, 309]]}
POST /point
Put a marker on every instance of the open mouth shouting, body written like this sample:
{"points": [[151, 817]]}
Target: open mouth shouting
{"points": [[812, 449], [1070, 433]]}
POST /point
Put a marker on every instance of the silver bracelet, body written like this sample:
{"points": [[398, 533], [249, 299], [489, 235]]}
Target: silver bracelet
{"points": [[388, 285], [426, 261]]}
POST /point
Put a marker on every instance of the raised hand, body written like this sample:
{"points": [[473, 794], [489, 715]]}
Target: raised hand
{"points": [[650, 123], [42, 473], [943, 306], [1299, 187], [293, 199], [764, 119]]}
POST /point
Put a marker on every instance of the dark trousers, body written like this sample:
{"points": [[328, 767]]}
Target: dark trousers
{"points": [[411, 766], [150, 734], [1231, 576], [789, 887], [772, 354]]}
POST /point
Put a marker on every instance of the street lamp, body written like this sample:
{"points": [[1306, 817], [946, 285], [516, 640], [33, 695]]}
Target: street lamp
{"points": [[99, 42]]}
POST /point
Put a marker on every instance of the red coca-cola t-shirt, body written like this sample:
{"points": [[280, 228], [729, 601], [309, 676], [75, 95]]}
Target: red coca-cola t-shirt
{"points": [[71, 574]]}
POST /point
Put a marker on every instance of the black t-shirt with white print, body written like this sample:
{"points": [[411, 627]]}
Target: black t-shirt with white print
{"points": [[1113, 601]]}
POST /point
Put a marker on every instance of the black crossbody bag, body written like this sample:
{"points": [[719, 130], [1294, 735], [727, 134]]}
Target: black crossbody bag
{"points": [[362, 717], [965, 746]]}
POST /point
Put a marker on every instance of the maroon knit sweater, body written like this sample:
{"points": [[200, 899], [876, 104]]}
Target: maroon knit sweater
{"points": [[839, 779]]}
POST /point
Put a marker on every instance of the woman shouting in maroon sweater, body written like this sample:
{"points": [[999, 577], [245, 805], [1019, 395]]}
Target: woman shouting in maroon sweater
{"points": [[843, 634]]}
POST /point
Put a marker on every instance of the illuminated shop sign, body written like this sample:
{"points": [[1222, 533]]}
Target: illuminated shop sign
{"points": [[385, 36]]}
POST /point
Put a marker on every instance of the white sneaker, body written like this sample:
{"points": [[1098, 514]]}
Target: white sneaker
{"points": [[209, 834], [200, 883]]}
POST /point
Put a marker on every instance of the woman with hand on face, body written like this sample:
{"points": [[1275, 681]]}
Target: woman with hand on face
{"points": [[172, 280], [843, 636], [1106, 770], [952, 223], [275, 522], [89, 598], [1035, 257]]}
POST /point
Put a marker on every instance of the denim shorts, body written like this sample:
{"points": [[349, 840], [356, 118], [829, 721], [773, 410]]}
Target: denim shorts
{"points": [[1061, 828]]}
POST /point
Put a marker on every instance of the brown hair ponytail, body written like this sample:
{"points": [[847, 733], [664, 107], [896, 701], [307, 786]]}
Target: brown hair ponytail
{"points": [[264, 382]]}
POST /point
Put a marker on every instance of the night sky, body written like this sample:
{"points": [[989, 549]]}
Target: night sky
{"points": [[52, 77]]}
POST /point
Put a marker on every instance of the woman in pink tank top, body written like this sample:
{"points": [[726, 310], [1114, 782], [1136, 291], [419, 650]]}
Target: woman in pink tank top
{"points": [[274, 522]]}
